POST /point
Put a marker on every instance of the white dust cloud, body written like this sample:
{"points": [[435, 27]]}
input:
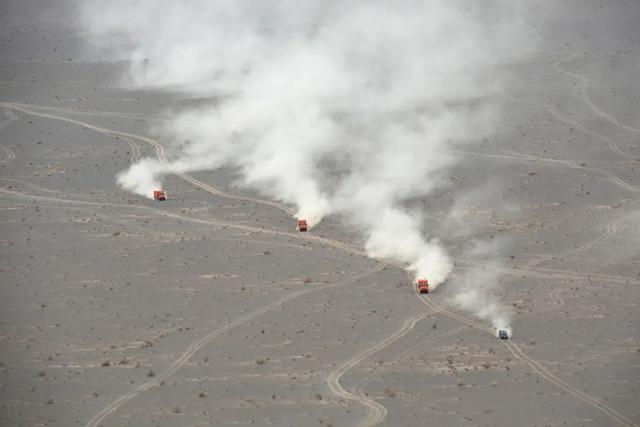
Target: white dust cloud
{"points": [[334, 107], [478, 298], [142, 177]]}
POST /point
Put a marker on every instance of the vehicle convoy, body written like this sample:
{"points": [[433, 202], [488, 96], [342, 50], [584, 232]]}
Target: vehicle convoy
{"points": [[503, 334], [423, 286], [302, 225], [159, 195]]}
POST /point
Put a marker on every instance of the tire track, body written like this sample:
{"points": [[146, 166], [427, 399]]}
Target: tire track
{"points": [[556, 299], [543, 272], [10, 154], [611, 229], [8, 118], [559, 274], [377, 411], [584, 90], [220, 224], [534, 365], [197, 345], [555, 113], [554, 294], [548, 376], [135, 150], [96, 113], [522, 157], [160, 153]]}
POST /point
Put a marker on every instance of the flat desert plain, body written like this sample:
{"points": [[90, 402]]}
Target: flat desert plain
{"points": [[211, 309]]}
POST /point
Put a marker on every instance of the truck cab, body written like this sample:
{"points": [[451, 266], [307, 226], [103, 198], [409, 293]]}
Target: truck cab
{"points": [[302, 225], [503, 334], [159, 195], [422, 286]]}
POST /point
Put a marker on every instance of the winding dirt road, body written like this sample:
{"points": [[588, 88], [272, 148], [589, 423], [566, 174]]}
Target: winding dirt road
{"points": [[584, 91], [377, 412]]}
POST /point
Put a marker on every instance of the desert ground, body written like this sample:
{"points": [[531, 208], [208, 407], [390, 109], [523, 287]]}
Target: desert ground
{"points": [[211, 309]]}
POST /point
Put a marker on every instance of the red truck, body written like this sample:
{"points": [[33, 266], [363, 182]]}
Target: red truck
{"points": [[159, 195], [302, 225], [423, 286]]}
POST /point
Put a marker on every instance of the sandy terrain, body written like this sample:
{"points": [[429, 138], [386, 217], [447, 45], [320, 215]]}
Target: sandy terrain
{"points": [[210, 309]]}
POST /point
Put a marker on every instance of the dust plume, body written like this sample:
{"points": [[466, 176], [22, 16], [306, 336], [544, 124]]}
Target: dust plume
{"points": [[142, 177], [475, 291], [344, 108]]}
